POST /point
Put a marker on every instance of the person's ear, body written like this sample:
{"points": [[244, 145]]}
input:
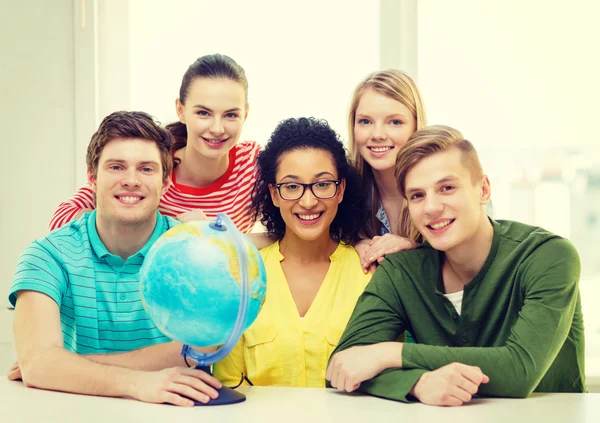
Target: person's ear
{"points": [[246, 112], [274, 195], [486, 190], [166, 184], [341, 190], [179, 110], [91, 178]]}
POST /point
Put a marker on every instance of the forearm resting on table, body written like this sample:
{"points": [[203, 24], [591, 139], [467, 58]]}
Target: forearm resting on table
{"points": [[56, 369], [390, 355], [155, 357]]}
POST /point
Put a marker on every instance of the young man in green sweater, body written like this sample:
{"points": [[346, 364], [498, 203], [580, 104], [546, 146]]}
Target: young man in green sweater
{"points": [[494, 306]]}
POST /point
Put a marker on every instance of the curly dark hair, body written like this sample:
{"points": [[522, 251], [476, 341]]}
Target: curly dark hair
{"points": [[303, 133]]}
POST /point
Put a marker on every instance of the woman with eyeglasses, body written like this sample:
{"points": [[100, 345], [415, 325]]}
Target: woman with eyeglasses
{"points": [[307, 196]]}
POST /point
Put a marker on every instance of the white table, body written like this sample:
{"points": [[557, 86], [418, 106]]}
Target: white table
{"points": [[290, 405]]}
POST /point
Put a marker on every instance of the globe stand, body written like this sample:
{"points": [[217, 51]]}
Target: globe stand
{"points": [[226, 395]]}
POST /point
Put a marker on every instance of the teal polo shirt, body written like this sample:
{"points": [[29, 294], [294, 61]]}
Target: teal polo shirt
{"points": [[98, 293]]}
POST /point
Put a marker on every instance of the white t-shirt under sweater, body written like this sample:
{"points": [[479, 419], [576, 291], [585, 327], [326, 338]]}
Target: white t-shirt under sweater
{"points": [[456, 300]]}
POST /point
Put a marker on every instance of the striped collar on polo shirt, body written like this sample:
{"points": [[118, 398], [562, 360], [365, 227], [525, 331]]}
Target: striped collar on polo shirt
{"points": [[102, 252]]}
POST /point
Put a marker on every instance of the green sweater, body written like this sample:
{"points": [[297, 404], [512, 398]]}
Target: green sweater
{"points": [[520, 322]]}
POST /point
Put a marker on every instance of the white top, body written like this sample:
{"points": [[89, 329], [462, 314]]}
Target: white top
{"points": [[456, 300]]}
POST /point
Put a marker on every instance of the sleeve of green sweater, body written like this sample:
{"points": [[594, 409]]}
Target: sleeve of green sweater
{"points": [[379, 317], [550, 278]]}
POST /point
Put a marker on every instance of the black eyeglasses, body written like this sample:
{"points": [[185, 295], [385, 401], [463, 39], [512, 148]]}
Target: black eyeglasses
{"points": [[295, 190]]}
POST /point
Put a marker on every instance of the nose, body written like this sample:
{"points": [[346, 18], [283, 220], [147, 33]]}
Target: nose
{"points": [[308, 199], [433, 205], [378, 133], [130, 179], [217, 126]]}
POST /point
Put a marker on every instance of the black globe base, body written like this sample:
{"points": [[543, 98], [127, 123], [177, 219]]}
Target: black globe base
{"points": [[226, 396]]}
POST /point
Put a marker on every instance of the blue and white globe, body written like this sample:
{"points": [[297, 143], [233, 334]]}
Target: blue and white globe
{"points": [[191, 281]]}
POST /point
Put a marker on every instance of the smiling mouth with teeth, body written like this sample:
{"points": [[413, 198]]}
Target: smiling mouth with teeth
{"points": [[311, 216], [213, 141], [380, 149], [128, 199], [440, 225]]}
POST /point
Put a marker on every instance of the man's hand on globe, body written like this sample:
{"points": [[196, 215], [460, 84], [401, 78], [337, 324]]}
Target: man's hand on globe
{"points": [[177, 386]]}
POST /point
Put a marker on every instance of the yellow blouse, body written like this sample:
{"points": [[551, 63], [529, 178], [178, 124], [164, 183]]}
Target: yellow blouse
{"points": [[283, 349]]}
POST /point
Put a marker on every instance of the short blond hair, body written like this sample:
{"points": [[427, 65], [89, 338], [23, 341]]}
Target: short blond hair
{"points": [[429, 141]]}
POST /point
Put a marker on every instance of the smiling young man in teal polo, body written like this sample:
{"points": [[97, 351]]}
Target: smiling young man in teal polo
{"points": [[80, 325]]}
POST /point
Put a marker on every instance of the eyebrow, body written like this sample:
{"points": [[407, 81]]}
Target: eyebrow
{"points": [[449, 178], [121, 161], [208, 109], [403, 116], [318, 175]]}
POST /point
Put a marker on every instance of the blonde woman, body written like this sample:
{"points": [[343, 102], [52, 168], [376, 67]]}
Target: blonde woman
{"points": [[386, 109]]}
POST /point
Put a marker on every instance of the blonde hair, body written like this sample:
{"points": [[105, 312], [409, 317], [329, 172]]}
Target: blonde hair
{"points": [[398, 86], [425, 143]]}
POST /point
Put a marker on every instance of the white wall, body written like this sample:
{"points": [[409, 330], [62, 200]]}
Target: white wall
{"points": [[113, 45], [36, 105], [301, 58]]}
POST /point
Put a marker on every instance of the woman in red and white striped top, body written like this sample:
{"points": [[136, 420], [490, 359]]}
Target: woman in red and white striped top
{"points": [[213, 173]]}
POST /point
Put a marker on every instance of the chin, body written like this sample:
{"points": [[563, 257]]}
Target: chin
{"points": [[132, 219], [381, 165], [129, 221], [309, 235], [439, 247], [443, 246], [217, 153]]}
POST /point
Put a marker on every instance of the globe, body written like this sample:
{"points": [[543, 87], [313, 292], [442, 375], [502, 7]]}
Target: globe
{"points": [[203, 284], [192, 280]]}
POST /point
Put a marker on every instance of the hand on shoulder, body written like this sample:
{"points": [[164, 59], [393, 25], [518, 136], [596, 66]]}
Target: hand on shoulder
{"points": [[81, 213], [374, 250], [191, 215]]}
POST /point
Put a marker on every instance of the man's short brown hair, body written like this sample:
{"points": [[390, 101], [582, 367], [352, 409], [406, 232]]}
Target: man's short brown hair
{"points": [[130, 125], [429, 141]]}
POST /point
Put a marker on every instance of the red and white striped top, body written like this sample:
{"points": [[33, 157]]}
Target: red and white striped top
{"points": [[230, 194]]}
